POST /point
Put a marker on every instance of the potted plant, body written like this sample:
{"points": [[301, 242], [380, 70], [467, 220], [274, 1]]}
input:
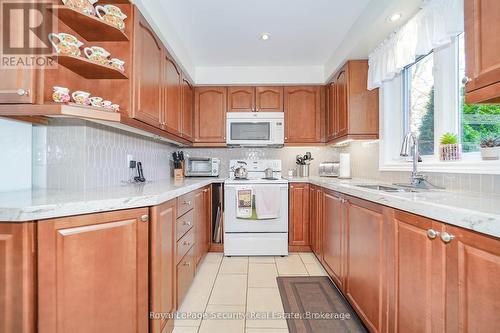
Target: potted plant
{"points": [[489, 148], [450, 149]]}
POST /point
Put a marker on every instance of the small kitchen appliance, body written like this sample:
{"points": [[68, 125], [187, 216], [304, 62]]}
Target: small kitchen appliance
{"points": [[202, 167], [255, 129], [329, 169]]}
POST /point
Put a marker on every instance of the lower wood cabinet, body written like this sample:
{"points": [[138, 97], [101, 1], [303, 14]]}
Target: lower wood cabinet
{"points": [[298, 218], [92, 273], [202, 217], [162, 247], [315, 218], [185, 274]]}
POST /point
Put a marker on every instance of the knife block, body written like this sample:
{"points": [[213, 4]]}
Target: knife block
{"points": [[179, 173]]}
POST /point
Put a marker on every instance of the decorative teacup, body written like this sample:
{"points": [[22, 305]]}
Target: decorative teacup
{"points": [[118, 64], [81, 97], [97, 54], [96, 101], [112, 14], [84, 6], [65, 43], [106, 104], [60, 94], [115, 107]]}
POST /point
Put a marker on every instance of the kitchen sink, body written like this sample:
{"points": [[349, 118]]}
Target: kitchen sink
{"points": [[387, 188]]}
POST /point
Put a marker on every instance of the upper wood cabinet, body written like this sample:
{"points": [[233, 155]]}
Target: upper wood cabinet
{"points": [[298, 230], [187, 109], [352, 110], [240, 99], [482, 51], [92, 273], [17, 86], [210, 115], [302, 105], [148, 64], [162, 246], [171, 84], [255, 99]]}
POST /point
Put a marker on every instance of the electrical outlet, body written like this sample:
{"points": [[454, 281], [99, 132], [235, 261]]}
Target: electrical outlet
{"points": [[130, 158]]}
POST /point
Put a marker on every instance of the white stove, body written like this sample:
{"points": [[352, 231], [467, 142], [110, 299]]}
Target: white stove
{"points": [[264, 230]]}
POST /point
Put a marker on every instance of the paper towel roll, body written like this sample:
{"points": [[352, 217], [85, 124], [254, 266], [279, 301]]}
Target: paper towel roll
{"points": [[345, 165]]}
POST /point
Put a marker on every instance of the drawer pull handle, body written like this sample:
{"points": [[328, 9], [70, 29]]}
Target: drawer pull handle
{"points": [[431, 233], [446, 237], [187, 223], [186, 243], [187, 263], [186, 202]]}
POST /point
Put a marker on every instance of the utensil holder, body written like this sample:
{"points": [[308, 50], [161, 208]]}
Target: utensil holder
{"points": [[303, 170]]}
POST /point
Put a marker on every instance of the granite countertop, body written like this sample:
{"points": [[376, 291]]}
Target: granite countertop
{"points": [[468, 210], [473, 211], [29, 205]]}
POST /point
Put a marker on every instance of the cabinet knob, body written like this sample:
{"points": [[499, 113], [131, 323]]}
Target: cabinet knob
{"points": [[431, 233], [23, 92], [145, 218], [466, 80], [446, 237], [205, 190]]}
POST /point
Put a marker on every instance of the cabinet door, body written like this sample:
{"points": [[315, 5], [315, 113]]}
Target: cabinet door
{"points": [[365, 264], [482, 42], [472, 286], [210, 114], [208, 217], [17, 86], [172, 97], [340, 109], [240, 99], [93, 273], [187, 109], [17, 277], [333, 230], [162, 262], [302, 114], [332, 119], [147, 91], [200, 220], [419, 272], [269, 99], [299, 215]]}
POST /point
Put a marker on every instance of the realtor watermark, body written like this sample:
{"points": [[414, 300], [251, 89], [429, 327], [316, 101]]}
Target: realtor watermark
{"points": [[25, 29], [269, 315]]}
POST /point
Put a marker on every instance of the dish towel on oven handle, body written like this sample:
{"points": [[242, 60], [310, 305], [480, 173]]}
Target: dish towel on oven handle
{"points": [[267, 202], [244, 202]]}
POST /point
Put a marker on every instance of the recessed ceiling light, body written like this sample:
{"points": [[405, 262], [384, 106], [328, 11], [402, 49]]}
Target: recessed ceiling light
{"points": [[394, 17], [264, 36]]}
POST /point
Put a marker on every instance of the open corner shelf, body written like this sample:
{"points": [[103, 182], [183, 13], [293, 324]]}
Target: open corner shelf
{"points": [[52, 109], [88, 69], [91, 28]]}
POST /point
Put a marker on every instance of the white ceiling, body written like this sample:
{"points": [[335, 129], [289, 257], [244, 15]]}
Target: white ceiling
{"points": [[227, 32]]}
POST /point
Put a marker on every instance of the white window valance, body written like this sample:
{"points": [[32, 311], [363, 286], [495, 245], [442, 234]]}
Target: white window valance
{"points": [[433, 26]]}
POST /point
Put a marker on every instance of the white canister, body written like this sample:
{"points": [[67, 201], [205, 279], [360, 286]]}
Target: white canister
{"points": [[345, 165]]}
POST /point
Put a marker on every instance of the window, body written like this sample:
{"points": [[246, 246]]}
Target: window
{"points": [[418, 97]]}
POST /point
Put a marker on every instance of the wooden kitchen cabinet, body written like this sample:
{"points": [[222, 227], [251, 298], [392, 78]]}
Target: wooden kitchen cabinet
{"points": [[302, 105], [17, 86], [210, 115], [298, 229], [365, 275], [93, 273], [187, 109], [472, 286], [17, 277], [482, 51], [333, 236], [315, 220], [240, 99], [162, 264], [269, 99], [202, 213], [352, 110], [147, 76], [171, 107]]}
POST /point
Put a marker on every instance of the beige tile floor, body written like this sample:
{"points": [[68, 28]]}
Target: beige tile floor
{"points": [[235, 285]]}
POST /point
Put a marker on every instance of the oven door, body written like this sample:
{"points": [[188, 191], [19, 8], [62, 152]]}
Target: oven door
{"points": [[234, 224], [251, 132]]}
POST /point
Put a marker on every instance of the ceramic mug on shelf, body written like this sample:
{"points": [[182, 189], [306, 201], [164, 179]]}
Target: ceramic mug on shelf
{"points": [[97, 54], [118, 64], [84, 6], [60, 94], [81, 97], [65, 43], [115, 107], [112, 15], [106, 104], [96, 101]]}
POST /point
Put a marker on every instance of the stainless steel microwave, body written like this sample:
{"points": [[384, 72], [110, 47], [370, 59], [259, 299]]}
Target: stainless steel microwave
{"points": [[201, 167], [255, 129]]}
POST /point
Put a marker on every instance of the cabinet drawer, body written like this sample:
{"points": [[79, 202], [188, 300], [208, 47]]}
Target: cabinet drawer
{"points": [[185, 275], [183, 224], [185, 243], [185, 203]]}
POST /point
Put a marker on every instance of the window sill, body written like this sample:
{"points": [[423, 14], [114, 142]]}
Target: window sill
{"points": [[464, 166]]}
